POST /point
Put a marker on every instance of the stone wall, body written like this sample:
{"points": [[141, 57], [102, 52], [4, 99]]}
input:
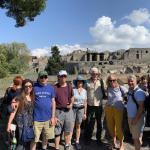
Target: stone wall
{"points": [[137, 55], [121, 61]]}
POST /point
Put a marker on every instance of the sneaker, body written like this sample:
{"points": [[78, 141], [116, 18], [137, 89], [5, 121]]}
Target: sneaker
{"points": [[67, 147], [78, 146]]}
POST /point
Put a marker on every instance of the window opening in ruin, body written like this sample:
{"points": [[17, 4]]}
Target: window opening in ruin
{"points": [[101, 56], [146, 52], [94, 57], [137, 56], [71, 58], [88, 57]]}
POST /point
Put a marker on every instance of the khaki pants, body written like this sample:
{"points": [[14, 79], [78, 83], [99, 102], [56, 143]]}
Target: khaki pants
{"points": [[137, 130], [48, 131]]}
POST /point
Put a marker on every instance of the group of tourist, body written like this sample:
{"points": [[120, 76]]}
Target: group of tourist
{"points": [[53, 110]]}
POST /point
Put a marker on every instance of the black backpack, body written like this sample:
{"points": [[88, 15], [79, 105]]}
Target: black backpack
{"points": [[103, 89], [124, 95]]}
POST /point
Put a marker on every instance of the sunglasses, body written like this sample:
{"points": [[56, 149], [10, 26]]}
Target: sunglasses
{"points": [[94, 73], [43, 77], [63, 76], [28, 86], [112, 80]]}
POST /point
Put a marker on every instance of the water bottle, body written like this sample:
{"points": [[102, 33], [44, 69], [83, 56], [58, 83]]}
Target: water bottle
{"points": [[13, 141]]}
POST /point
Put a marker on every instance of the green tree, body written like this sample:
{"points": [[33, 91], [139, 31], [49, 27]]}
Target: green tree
{"points": [[14, 58], [3, 62], [55, 62], [23, 10], [17, 57]]}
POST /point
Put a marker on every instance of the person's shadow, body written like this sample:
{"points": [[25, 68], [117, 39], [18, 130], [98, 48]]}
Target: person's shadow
{"points": [[146, 137]]}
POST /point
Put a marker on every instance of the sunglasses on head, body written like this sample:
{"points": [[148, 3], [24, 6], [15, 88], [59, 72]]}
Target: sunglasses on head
{"points": [[63, 76], [113, 80], [43, 77]]}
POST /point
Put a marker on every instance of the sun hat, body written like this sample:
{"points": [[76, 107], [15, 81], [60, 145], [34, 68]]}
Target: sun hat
{"points": [[79, 78]]}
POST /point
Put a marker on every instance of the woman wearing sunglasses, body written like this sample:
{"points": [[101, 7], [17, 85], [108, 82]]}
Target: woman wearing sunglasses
{"points": [[23, 113], [114, 110]]}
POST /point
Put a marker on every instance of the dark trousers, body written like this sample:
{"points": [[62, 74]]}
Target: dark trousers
{"points": [[93, 113]]}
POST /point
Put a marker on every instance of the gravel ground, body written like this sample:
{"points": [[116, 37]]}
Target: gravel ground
{"points": [[106, 144], [92, 146]]}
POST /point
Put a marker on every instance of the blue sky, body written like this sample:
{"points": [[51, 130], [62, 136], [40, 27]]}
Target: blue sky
{"points": [[73, 24]]}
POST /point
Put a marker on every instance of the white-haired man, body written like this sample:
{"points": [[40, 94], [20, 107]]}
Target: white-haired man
{"points": [[95, 95]]}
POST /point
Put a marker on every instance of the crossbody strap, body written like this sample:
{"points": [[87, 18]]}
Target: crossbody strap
{"points": [[134, 100]]}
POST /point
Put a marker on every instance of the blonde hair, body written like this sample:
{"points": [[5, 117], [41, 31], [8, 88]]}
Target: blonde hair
{"points": [[108, 78]]}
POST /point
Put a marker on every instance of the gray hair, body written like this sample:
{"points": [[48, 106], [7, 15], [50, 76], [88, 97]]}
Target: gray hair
{"points": [[94, 69], [132, 77]]}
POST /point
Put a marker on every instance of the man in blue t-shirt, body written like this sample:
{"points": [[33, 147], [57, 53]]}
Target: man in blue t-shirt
{"points": [[44, 110], [135, 110]]}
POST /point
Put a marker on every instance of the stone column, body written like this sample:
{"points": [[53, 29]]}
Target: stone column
{"points": [[97, 59], [85, 57], [90, 57]]}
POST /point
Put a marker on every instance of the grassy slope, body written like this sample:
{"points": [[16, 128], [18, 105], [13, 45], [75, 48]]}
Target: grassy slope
{"points": [[7, 81]]}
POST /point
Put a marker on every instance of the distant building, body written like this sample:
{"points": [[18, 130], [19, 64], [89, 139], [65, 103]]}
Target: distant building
{"points": [[80, 61], [137, 54], [38, 63]]}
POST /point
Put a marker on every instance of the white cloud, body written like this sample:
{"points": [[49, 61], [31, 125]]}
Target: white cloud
{"points": [[109, 37], [40, 52], [139, 16], [64, 49]]}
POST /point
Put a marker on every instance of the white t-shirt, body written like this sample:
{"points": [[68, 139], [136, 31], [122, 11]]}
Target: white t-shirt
{"points": [[79, 98], [115, 96]]}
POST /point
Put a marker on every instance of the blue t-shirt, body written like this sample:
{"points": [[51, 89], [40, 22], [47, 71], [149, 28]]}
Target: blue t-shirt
{"points": [[43, 102], [139, 95]]}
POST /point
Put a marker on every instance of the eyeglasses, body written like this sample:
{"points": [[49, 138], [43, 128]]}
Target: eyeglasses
{"points": [[28, 86], [63, 76], [43, 77], [112, 80]]}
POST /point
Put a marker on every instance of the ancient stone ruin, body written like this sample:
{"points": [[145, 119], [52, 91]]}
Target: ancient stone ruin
{"points": [[133, 60]]}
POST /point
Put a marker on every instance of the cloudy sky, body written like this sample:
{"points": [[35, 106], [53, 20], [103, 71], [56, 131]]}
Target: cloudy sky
{"points": [[74, 24]]}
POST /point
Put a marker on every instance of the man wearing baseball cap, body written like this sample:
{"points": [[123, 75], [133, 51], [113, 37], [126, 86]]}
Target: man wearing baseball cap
{"points": [[44, 110], [64, 100]]}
